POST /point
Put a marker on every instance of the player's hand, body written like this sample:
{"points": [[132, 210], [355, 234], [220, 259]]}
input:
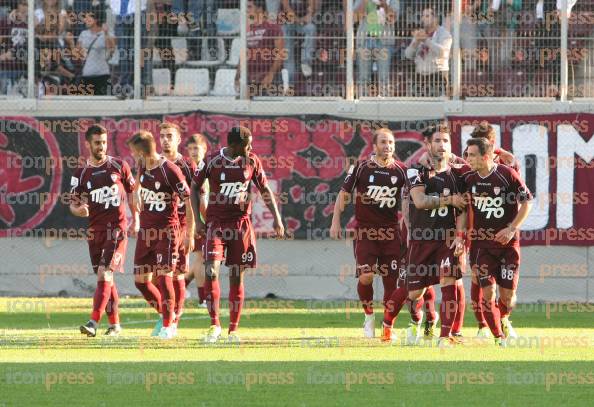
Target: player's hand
{"points": [[505, 235], [82, 210], [279, 229], [137, 202], [459, 201], [335, 231], [458, 245]]}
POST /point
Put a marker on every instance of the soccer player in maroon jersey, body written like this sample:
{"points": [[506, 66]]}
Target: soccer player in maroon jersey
{"points": [[170, 139], [196, 148], [161, 186], [437, 214], [486, 131], [376, 184], [99, 190], [229, 232], [500, 204]]}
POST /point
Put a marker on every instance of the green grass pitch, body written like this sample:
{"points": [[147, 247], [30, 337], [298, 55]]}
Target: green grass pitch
{"points": [[293, 353]]}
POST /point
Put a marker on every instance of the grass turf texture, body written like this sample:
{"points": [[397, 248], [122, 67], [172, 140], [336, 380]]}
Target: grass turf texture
{"points": [[293, 353]]}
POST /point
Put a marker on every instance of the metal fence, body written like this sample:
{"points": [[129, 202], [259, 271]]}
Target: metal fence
{"points": [[341, 49]]}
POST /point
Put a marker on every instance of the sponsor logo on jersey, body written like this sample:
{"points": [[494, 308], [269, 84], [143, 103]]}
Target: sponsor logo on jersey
{"points": [[237, 190], [489, 206], [154, 201], [383, 195], [107, 195]]}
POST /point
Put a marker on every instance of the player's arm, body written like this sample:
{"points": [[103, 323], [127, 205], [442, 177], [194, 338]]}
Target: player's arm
{"points": [[341, 201], [191, 226], [270, 201], [77, 206], [507, 233], [424, 201], [196, 197], [459, 242], [131, 185]]}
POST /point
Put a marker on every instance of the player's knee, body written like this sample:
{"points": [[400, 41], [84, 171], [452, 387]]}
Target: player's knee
{"points": [[415, 295], [212, 271], [489, 293], [366, 278]]}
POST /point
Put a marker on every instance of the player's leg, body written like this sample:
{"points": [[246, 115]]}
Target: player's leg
{"points": [[179, 285], [212, 289], [167, 255], [508, 285], [366, 259], [459, 319], [430, 314], [417, 279], [476, 295], [489, 269], [95, 252], [241, 256], [199, 276], [112, 311], [144, 269], [394, 304]]}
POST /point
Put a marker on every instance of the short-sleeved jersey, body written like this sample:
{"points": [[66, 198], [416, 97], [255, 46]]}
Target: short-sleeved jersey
{"points": [[377, 191], [104, 189], [437, 223], [495, 203], [161, 188], [187, 167], [229, 180]]}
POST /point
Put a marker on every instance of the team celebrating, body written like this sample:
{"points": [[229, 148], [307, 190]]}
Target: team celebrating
{"points": [[416, 226]]}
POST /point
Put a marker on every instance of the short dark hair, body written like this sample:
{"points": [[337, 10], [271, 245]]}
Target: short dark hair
{"points": [[484, 130], [98, 13], [482, 143], [430, 130], [144, 140], [237, 134], [261, 4], [93, 130], [198, 139]]}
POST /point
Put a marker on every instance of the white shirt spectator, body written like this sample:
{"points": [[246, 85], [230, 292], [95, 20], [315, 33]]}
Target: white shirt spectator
{"points": [[433, 54]]}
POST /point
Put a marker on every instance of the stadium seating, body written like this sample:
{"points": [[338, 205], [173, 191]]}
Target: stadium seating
{"points": [[191, 82], [224, 83]]}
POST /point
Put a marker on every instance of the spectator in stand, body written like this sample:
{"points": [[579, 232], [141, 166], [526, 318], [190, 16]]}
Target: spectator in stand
{"points": [[166, 28], [498, 27], [430, 49], [124, 11], [375, 41], [77, 18], [196, 17], [97, 46], [297, 19], [265, 52], [13, 46]]}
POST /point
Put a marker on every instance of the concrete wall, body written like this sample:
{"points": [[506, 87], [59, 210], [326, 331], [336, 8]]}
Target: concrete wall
{"points": [[289, 269]]}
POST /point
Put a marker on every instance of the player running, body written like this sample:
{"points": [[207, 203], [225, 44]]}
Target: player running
{"points": [[98, 192], [196, 148], [500, 204], [436, 214], [376, 184], [170, 139], [161, 185], [229, 232]]}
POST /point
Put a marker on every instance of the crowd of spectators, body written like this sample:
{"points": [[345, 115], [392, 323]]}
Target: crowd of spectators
{"points": [[298, 47]]}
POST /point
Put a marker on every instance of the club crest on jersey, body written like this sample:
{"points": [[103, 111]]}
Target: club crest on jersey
{"points": [[141, 178], [446, 191], [89, 184], [246, 173], [371, 178], [497, 190], [159, 257], [393, 179], [114, 177], [157, 185], [117, 258], [474, 189], [222, 176]]}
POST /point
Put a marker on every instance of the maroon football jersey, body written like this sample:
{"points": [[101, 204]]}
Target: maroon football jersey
{"points": [[104, 189], [161, 188], [230, 181], [437, 223], [377, 191], [187, 167], [495, 202]]}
